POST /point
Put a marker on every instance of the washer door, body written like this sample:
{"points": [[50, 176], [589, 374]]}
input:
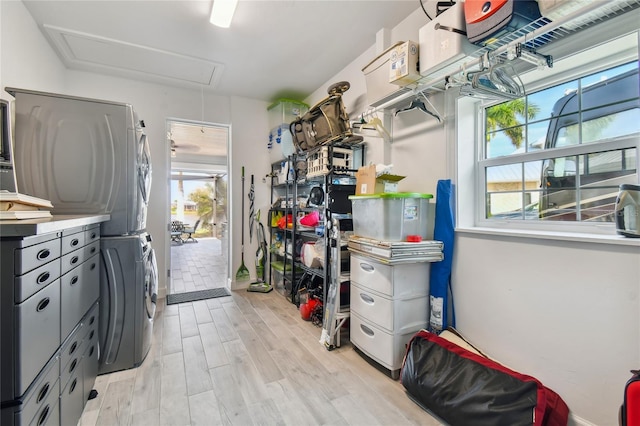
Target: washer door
{"points": [[150, 284]]}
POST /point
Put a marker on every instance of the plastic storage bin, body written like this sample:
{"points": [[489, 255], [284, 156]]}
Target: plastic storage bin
{"points": [[390, 216], [281, 113]]}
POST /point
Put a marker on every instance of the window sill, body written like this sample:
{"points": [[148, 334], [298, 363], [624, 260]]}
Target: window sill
{"points": [[548, 235]]}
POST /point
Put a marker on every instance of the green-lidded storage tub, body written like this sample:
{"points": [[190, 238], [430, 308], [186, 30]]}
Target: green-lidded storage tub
{"points": [[391, 216]]}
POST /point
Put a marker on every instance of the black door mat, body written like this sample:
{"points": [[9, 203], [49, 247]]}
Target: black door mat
{"points": [[192, 296]]}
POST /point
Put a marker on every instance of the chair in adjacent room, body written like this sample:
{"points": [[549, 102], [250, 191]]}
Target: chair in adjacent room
{"points": [[177, 228], [190, 232]]}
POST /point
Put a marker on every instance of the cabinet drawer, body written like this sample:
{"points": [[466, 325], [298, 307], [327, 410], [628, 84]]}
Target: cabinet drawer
{"points": [[31, 257], [92, 234], [45, 385], [71, 402], [386, 348], [49, 413], [90, 368], [394, 316], [75, 258], [34, 281], [37, 333], [72, 348], [72, 242], [71, 370], [80, 288], [405, 280], [90, 326]]}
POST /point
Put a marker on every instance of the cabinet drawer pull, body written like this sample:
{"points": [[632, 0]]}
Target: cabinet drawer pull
{"points": [[73, 365], [72, 386], [73, 347], [91, 334], [74, 260], [43, 393], [43, 254], [366, 298], [92, 320], [93, 266], [43, 277], [42, 304], [93, 236], [43, 416], [74, 280], [366, 330], [366, 267], [92, 250], [74, 242], [91, 350]]}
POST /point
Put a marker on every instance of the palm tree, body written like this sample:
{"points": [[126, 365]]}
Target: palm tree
{"points": [[505, 116], [205, 199]]}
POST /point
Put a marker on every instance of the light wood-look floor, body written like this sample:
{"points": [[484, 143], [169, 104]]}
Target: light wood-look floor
{"points": [[243, 360]]}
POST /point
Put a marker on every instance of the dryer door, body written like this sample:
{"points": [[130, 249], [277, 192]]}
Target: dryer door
{"points": [[143, 184], [150, 284]]}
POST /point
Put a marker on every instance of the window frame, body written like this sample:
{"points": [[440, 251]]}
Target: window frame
{"points": [[481, 163]]}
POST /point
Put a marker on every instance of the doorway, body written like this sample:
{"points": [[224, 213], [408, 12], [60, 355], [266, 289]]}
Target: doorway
{"points": [[198, 188]]}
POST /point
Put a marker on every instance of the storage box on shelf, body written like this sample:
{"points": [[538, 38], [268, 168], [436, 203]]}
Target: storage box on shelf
{"points": [[391, 216]]}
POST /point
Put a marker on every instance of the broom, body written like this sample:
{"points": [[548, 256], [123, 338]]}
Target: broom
{"points": [[243, 272]]}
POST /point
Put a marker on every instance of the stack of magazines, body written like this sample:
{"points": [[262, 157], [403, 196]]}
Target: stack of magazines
{"points": [[392, 252], [14, 205]]}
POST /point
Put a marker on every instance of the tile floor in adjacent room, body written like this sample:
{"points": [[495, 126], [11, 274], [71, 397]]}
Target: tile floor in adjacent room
{"points": [[198, 265], [245, 359]]}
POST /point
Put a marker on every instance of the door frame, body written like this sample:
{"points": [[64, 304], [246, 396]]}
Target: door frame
{"points": [[228, 247]]}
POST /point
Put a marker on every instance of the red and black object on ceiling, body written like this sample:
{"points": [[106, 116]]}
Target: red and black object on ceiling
{"points": [[489, 20]]}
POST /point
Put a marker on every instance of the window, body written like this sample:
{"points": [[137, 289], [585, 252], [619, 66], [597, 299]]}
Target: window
{"points": [[561, 152]]}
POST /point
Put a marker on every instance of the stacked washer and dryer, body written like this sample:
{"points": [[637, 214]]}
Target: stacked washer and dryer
{"points": [[90, 156]]}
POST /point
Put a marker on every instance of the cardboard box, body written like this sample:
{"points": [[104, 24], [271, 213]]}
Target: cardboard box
{"points": [[404, 64], [367, 182]]}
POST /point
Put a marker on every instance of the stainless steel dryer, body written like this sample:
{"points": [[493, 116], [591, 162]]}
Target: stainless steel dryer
{"points": [[128, 293], [86, 156]]}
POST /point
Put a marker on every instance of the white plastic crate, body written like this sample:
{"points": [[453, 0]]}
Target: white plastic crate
{"points": [[318, 162]]}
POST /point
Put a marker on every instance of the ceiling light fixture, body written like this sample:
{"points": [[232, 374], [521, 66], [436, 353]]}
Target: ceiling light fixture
{"points": [[222, 12]]}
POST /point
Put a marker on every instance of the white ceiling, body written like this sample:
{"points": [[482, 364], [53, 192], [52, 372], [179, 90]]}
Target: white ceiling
{"points": [[273, 49]]}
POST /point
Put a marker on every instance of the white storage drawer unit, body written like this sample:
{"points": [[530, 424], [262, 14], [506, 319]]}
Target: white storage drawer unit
{"points": [[389, 303], [393, 315], [387, 349]]}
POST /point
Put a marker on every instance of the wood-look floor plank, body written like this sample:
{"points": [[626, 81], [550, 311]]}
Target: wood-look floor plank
{"points": [[245, 373], [202, 312], [195, 365], [146, 391], [204, 409], [188, 323], [223, 325], [171, 335], [233, 407], [116, 406], [213, 350]]}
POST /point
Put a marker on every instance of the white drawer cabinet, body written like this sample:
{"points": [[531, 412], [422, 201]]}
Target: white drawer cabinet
{"points": [[389, 303]]}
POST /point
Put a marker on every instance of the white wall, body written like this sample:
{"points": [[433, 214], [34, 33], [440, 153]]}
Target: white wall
{"points": [[29, 62], [564, 312]]}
